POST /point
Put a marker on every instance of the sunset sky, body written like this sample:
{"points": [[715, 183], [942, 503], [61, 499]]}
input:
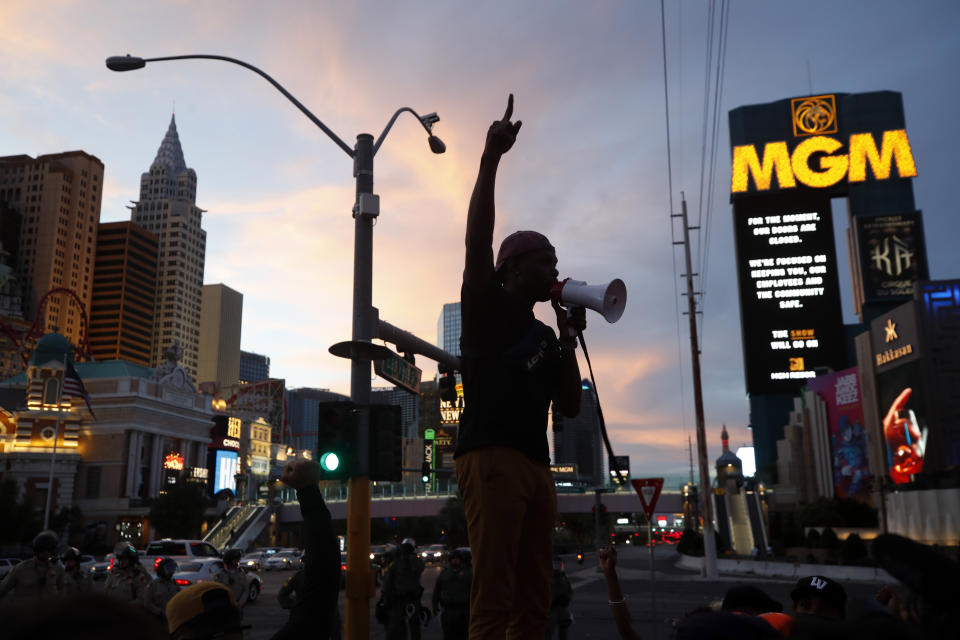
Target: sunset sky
{"points": [[589, 168]]}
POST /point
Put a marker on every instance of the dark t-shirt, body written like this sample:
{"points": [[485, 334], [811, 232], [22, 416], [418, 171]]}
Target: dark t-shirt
{"points": [[510, 363]]}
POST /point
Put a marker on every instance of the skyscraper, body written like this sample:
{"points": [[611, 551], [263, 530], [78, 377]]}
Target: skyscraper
{"points": [[220, 323], [409, 407], [303, 407], [124, 293], [167, 207], [254, 367], [57, 197], [449, 327], [578, 440]]}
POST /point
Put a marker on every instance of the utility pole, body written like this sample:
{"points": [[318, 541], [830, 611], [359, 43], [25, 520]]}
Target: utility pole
{"points": [[705, 494]]}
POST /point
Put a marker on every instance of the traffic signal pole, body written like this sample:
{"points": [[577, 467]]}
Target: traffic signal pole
{"points": [[360, 586]]}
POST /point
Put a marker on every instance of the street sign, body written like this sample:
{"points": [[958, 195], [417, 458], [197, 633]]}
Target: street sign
{"points": [[398, 371], [649, 491]]}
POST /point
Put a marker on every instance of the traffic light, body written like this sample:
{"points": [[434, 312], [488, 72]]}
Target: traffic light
{"points": [[425, 473], [337, 440], [447, 386], [386, 448]]}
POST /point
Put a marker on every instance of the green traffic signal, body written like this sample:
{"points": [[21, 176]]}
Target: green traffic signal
{"points": [[337, 440], [330, 461]]}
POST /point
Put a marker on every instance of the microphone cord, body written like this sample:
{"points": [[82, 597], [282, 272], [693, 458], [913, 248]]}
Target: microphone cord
{"points": [[603, 424]]}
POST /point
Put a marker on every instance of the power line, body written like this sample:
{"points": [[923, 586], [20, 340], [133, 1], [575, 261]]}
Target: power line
{"points": [[717, 102], [676, 290]]}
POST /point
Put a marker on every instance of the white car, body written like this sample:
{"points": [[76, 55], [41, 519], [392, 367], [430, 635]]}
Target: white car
{"points": [[253, 561], [283, 560], [203, 570]]}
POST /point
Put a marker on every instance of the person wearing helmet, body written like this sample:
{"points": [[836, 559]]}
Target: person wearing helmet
{"points": [[400, 594], [128, 579], [37, 577], [159, 592], [451, 596], [75, 580], [232, 577]]}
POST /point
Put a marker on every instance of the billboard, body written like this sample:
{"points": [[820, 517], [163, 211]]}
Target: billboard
{"points": [[788, 159], [789, 292], [901, 394], [841, 394], [445, 444], [225, 466], [916, 360], [892, 255]]}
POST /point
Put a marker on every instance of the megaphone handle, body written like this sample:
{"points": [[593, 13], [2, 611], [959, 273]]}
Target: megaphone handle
{"points": [[571, 330]]}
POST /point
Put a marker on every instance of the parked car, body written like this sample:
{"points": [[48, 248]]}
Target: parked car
{"points": [[179, 550], [434, 554], [7, 564], [203, 570]]}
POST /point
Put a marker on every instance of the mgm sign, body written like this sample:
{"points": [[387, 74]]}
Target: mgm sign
{"points": [[789, 159]]}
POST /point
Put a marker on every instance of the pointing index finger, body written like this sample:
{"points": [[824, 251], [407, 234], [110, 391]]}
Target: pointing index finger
{"points": [[509, 112]]}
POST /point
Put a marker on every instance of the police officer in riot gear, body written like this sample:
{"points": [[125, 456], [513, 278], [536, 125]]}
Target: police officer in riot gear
{"points": [[232, 576], [451, 595], [38, 576], [75, 580], [128, 579], [400, 594], [158, 593]]}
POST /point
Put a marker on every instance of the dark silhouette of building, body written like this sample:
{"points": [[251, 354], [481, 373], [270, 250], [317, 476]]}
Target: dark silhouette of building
{"points": [[578, 440], [124, 293]]}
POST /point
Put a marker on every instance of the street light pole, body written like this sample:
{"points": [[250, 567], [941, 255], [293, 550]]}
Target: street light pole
{"points": [[360, 579], [362, 587]]}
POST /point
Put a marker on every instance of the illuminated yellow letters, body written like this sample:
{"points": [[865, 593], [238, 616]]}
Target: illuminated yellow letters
{"points": [[233, 427], [745, 162], [895, 146], [833, 168]]}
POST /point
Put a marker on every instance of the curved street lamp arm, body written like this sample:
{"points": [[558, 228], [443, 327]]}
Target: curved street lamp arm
{"points": [[276, 84], [386, 129]]}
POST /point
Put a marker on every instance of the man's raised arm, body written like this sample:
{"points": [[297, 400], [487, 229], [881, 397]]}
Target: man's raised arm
{"points": [[501, 135]]}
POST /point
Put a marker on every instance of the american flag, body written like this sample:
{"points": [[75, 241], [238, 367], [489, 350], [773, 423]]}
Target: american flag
{"points": [[73, 385]]}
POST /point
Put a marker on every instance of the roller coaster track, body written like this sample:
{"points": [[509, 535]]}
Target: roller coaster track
{"points": [[25, 344]]}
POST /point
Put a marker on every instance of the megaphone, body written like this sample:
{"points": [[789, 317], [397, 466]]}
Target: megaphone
{"points": [[609, 300]]}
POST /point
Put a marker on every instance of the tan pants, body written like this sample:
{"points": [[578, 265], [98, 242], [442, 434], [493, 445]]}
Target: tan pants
{"points": [[511, 508]]}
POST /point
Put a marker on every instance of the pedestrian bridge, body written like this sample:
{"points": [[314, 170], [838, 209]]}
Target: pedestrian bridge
{"points": [[414, 506]]}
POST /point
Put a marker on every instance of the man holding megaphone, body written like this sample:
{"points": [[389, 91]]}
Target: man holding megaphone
{"points": [[513, 367]]}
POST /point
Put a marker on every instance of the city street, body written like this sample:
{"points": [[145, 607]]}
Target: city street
{"points": [[678, 591]]}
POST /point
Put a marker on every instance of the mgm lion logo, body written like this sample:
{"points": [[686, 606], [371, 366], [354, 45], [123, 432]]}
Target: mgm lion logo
{"points": [[814, 115]]}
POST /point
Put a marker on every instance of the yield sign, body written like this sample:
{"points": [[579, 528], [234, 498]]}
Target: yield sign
{"points": [[649, 491]]}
